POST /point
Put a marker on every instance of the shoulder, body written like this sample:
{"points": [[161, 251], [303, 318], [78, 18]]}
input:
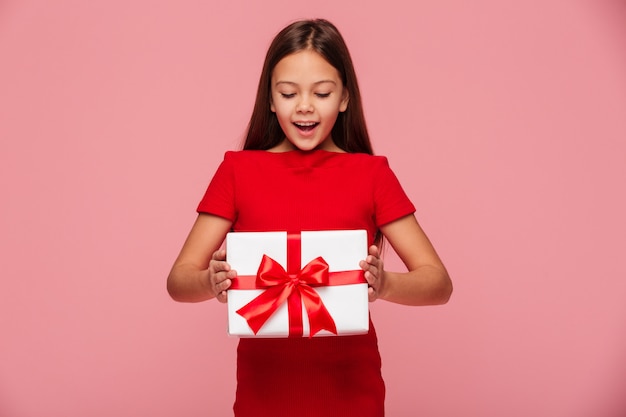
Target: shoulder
{"points": [[372, 161], [243, 155], [365, 157], [242, 159]]}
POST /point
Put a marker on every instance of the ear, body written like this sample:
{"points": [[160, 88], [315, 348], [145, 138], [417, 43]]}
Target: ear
{"points": [[272, 107], [343, 106]]}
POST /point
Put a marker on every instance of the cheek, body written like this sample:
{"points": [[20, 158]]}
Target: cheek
{"points": [[281, 108], [284, 119], [280, 111], [331, 111]]}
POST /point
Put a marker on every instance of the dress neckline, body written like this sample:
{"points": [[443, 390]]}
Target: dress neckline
{"points": [[297, 158]]}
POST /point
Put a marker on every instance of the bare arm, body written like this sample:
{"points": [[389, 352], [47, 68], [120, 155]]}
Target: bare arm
{"points": [[200, 271], [426, 282]]}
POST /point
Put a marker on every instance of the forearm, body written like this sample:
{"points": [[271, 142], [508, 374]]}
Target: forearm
{"points": [[426, 285], [189, 280], [189, 283]]}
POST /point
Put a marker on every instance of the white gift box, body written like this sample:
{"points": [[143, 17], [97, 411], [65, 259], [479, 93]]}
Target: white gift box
{"points": [[341, 249]]}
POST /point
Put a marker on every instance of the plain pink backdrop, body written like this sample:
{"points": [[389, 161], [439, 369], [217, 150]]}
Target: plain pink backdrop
{"points": [[505, 121]]}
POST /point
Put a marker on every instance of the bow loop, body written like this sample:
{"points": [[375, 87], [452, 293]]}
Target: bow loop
{"points": [[280, 286]]}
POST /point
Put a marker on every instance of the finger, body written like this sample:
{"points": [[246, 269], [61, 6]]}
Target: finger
{"points": [[375, 265], [224, 281], [369, 263], [222, 297], [222, 285], [219, 255], [217, 266], [371, 279], [219, 289], [373, 256], [364, 265], [371, 294]]}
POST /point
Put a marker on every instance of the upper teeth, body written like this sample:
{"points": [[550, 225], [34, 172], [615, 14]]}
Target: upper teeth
{"points": [[305, 123]]}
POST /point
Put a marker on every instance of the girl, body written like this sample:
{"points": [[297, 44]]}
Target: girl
{"points": [[308, 164]]}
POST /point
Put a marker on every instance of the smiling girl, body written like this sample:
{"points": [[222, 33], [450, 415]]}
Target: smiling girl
{"points": [[308, 164], [307, 97]]}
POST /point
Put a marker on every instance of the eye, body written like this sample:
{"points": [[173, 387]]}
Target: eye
{"points": [[288, 95], [322, 95]]}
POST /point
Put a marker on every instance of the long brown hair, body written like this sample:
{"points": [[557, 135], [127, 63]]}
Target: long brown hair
{"points": [[349, 132]]}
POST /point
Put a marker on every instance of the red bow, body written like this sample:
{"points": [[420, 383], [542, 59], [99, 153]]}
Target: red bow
{"points": [[295, 288]]}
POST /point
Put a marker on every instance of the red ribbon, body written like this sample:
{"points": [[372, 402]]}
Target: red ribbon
{"points": [[295, 287], [281, 286]]}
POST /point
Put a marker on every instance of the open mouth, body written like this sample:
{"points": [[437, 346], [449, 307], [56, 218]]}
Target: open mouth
{"points": [[306, 126]]}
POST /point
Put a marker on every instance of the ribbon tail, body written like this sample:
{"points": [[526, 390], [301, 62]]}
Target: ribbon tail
{"points": [[260, 309], [294, 307], [319, 317]]}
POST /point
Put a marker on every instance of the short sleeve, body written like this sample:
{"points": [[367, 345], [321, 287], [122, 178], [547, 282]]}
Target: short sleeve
{"points": [[390, 200], [219, 198]]}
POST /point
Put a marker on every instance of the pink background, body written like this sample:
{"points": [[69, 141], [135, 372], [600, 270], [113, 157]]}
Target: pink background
{"points": [[505, 121]]}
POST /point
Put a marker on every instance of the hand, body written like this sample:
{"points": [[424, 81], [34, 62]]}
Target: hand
{"points": [[220, 275], [374, 273]]}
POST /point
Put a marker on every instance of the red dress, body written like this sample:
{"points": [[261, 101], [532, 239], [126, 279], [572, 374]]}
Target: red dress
{"points": [[294, 191]]}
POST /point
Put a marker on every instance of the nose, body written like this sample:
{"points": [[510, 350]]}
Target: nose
{"points": [[304, 106]]}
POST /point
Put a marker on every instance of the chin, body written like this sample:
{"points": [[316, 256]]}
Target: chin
{"points": [[306, 145]]}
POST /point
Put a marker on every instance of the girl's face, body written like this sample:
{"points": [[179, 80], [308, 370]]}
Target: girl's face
{"points": [[307, 96]]}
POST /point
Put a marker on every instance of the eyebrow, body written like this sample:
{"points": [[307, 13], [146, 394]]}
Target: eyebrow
{"points": [[315, 83]]}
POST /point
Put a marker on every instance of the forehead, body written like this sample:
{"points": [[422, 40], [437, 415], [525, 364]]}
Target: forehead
{"points": [[304, 67]]}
